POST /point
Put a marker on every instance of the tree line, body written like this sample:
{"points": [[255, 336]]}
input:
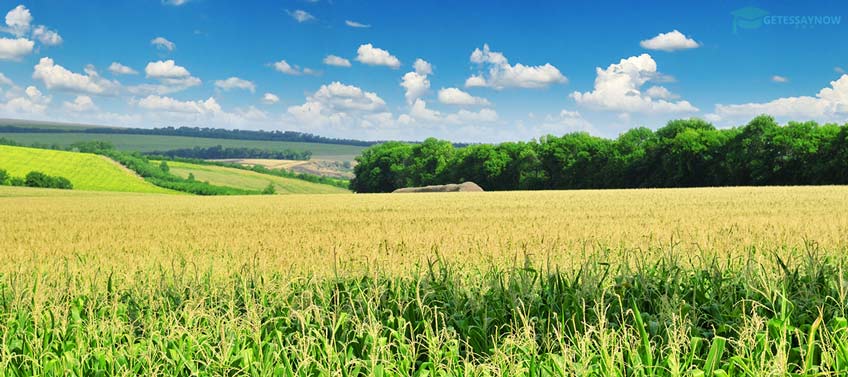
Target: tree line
{"points": [[221, 152], [683, 153], [35, 179]]}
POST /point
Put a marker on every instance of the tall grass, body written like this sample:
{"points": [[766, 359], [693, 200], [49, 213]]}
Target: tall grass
{"points": [[663, 318]]}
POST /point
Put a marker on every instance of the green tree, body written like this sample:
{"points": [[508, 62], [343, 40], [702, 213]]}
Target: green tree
{"points": [[270, 189], [4, 177], [164, 166], [381, 168]]}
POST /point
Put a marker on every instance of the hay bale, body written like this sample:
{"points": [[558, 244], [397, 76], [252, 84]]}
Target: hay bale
{"points": [[462, 187]]}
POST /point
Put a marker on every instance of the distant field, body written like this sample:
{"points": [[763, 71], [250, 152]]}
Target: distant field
{"points": [[151, 143], [85, 171], [325, 168], [250, 180]]}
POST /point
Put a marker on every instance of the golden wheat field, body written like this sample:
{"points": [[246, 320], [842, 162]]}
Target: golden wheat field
{"points": [[677, 282], [395, 232]]}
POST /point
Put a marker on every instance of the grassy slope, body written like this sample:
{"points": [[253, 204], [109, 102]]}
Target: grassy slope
{"points": [[86, 171], [244, 179], [150, 143]]}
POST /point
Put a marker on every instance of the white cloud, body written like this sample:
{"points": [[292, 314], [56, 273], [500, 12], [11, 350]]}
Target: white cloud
{"points": [[284, 67], [465, 116], [175, 3], [55, 76], [422, 67], [5, 80], [80, 104], [416, 83], [829, 104], [172, 78], [168, 104], [455, 96], [165, 69], [617, 88], [475, 81], [671, 41], [29, 101], [419, 111], [270, 98], [503, 75], [19, 20], [336, 61], [15, 49], [356, 24], [660, 92], [838, 69], [300, 15], [341, 105], [779, 79], [120, 69], [46, 36], [235, 83], [368, 54], [163, 44]]}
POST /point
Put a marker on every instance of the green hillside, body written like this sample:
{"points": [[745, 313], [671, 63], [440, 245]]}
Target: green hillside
{"points": [[152, 143], [85, 171], [244, 179]]}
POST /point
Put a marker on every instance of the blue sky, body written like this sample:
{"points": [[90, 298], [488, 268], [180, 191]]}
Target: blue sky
{"points": [[464, 71]]}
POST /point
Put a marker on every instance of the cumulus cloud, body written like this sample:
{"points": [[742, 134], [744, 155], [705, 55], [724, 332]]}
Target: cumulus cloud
{"points": [[270, 98], [455, 96], [617, 88], [300, 15], [779, 79], [370, 55], [336, 61], [671, 41], [5, 80], [120, 69], [337, 104], [829, 104], [235, 83], [356, 24], [168, 104], [81, 103], [19, 23], [503, 75], [171, 77], [28, 101], [294, 70], [422, 67], [55, 76], [416, 82], [19, 20], [15, 49], [165, 69], [46, 36], [660, 92], [419, 113], [163, 44]]}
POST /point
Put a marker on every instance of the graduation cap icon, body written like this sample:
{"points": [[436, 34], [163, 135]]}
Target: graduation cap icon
{"points": [[748, 18]]}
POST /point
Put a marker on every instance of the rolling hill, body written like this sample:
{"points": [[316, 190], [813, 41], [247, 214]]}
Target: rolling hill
{"points": [[85, 171], [153, 143], [245, 179]]}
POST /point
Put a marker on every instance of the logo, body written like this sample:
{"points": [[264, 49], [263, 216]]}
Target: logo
{"points": [[755, 18], [748, 18]]}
